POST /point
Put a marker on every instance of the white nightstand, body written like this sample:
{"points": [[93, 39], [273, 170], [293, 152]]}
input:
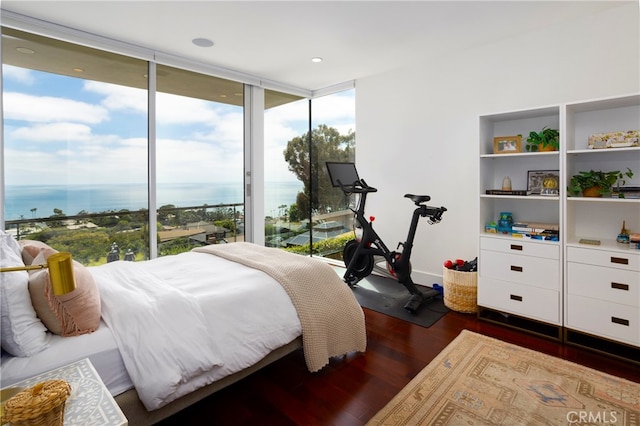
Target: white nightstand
{"points": [[90, 403]]}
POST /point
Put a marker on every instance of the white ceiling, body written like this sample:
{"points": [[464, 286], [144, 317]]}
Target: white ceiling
{"points": [[276, 40]]}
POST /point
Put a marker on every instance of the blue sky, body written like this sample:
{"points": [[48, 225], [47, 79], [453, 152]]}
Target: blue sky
{"points": [[64, 130]]}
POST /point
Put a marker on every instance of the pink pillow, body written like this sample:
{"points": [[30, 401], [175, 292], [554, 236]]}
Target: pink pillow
{"points": [[30, 249], [71, 314]]}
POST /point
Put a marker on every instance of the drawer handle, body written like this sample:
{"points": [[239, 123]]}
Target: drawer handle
{"points": [[620, 286], [516, 268], [620, 321], [620, 260], [516, 247], [519, 299]]}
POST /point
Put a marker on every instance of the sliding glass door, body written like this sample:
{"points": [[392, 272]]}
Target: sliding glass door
{"points": [[75, 147], [199, 160]]}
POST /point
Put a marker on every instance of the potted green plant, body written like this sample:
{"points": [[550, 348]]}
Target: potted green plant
{"points": [[545, 140], [596, 183]]}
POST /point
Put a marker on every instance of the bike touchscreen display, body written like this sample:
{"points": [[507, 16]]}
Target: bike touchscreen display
{"points": [[344, 173]]}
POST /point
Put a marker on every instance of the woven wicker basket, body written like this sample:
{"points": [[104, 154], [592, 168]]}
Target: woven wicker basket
{"points": [[40, 405], [460, 290]]}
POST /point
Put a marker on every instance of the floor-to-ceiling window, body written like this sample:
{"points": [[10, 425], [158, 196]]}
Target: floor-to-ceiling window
{"points": [[103, 161], [75, 147], [333, 139], [306, 214], [199, 160], [284, 181]]}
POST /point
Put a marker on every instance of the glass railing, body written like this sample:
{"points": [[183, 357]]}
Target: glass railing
{"points": [[97, 238]]}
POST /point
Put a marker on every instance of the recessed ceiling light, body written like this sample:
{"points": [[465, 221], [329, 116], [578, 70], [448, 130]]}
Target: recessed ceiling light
{"points": [[24, 50], [78, 69], [316, 59], [202, 42]]}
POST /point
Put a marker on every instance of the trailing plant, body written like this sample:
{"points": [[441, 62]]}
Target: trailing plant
{"points": [[599, 179], [545, 138]]}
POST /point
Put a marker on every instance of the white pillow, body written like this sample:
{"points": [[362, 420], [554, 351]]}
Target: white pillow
{"points": [[21, 332]]}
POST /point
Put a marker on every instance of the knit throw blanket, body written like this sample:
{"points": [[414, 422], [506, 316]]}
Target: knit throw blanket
{"points": [[331, 318]]}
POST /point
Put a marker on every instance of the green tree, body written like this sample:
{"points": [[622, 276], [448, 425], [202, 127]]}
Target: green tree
{"points": [[327, 144], [294, 213], [168, 215], [56, 213]]}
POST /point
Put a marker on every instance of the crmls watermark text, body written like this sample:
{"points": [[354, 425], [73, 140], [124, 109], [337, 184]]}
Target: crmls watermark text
{"points": [[590, 417]]}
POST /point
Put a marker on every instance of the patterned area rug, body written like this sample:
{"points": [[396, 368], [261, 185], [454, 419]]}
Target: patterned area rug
{"points": [[478, 380]]}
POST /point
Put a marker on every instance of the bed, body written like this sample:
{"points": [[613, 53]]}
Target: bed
{"points": [[176, 329]]}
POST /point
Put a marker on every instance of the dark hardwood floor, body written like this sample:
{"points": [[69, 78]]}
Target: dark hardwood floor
{"points": [[350, 390]]}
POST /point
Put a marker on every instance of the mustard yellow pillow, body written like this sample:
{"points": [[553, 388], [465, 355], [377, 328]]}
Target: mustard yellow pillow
{"points": [[74, 313]]}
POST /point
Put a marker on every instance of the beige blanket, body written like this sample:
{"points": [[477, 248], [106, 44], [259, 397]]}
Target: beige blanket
{"points": [[332, 320]]}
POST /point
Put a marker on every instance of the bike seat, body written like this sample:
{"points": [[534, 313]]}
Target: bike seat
{"points": [[418, 199]]}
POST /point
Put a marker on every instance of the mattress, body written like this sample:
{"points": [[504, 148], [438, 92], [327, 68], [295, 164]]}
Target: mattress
{"points": [[99, 346]]}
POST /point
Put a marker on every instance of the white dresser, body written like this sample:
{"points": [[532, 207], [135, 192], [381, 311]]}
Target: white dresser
{"points": [[521, 277], [603, 293]]}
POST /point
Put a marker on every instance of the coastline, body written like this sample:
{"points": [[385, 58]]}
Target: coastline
{"points": [[34, 201]]}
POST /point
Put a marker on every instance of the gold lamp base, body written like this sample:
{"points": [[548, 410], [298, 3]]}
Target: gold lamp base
{"points": [[60, 272]]}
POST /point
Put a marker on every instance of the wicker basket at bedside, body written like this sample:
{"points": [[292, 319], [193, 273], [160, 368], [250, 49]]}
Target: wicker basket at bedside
{"points": [[460, 290], [40, 405]]}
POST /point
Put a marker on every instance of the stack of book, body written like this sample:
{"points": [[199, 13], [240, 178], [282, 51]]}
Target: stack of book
{"points": [[536, 230], [506, 192]]}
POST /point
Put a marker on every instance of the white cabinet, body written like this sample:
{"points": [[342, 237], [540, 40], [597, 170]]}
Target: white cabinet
{"points": [[591, 293], [519, 278], [603, 293], [602, 282]]}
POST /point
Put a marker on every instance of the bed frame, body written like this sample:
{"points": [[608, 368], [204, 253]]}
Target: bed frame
{"points": [[137, 414]]}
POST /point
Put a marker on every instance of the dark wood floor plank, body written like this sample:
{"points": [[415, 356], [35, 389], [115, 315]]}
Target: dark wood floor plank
{"points": [[351, 389]]}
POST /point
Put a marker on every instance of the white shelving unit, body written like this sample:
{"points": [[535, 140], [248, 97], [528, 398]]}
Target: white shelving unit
{"points": [[519, 280], [602, 282], [583, 294]]}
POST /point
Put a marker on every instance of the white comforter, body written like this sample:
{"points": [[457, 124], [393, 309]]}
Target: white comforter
{"points": [[184, 321]]}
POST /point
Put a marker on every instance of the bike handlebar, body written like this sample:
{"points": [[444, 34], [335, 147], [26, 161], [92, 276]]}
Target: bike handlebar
{"points": [[434, 213], [357, 187]]}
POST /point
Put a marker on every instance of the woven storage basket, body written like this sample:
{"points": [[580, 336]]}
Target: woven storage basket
{"points": [[460, 290], [40, 405]]}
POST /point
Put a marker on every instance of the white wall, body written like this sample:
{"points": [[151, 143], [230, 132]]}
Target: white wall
{"points": [[417, 128]]}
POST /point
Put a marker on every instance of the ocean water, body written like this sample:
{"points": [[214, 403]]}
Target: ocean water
{"points": [[21, 200]]}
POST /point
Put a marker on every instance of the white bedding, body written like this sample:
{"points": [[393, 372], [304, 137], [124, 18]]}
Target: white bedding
{"points": [[247, 312]]}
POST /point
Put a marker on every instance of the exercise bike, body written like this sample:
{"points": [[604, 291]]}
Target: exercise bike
{"points": [[359, 254]]}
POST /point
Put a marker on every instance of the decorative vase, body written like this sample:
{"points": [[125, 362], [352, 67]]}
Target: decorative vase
{"points": [[593, 191], [506, 183], [546, 148]]}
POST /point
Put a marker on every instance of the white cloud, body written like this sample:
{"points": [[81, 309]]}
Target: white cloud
{"points": [[54, 132], [19, 75], [119, 98], [199, 141], [48, 109], [174, 109], [197, 161]]}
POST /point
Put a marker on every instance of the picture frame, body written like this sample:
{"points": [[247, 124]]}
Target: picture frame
{"points": [[507, 144], [543, 182]]}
